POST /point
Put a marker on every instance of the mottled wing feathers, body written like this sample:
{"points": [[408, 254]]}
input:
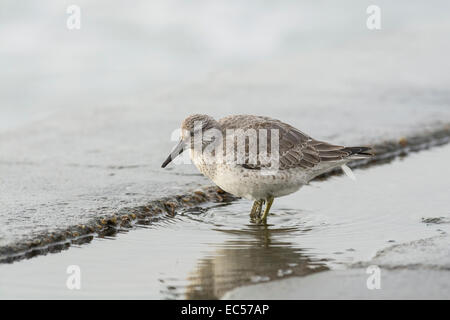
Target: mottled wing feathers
{"points": [[296, 149]]}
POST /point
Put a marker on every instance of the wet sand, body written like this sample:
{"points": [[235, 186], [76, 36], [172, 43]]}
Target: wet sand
{"points": [[351, 284]]}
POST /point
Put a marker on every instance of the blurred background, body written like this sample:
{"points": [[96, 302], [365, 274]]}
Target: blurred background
{"points": [[211, 55]]}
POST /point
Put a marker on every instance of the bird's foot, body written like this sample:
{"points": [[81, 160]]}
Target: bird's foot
{"points": [[260, 221], [263, 219]]}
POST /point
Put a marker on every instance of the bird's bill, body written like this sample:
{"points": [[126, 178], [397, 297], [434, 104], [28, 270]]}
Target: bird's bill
{"points": [[179, 148]]}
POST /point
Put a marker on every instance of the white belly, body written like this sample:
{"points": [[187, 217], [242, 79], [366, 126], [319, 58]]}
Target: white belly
{"points": [[253, 185]]}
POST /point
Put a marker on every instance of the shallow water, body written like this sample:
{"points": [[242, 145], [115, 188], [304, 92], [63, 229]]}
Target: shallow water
{"points": [[204, 252]]}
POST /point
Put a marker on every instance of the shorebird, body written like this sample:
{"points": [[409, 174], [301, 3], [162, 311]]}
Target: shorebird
{"points": [[299, 158]]}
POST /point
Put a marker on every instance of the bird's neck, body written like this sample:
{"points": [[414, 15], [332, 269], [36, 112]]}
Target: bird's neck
{"points": [[205, 162]]}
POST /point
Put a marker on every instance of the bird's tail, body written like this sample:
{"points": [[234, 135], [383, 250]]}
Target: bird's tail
{"points": [[358, 152]]}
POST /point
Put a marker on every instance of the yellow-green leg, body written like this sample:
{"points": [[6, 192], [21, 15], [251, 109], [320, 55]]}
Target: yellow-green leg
{"points": [[261, 203], [269, 202], [256, 209]]}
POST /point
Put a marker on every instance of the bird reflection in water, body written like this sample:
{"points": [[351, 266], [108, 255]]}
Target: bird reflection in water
{"points": [[255, 256]]}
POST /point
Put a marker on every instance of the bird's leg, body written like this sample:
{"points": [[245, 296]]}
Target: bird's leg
{"points": [[253, 213], [263, 219], [261, 203]]}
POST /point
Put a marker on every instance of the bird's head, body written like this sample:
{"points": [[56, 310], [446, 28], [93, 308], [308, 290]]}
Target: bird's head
{"points": [[193, 126]]}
